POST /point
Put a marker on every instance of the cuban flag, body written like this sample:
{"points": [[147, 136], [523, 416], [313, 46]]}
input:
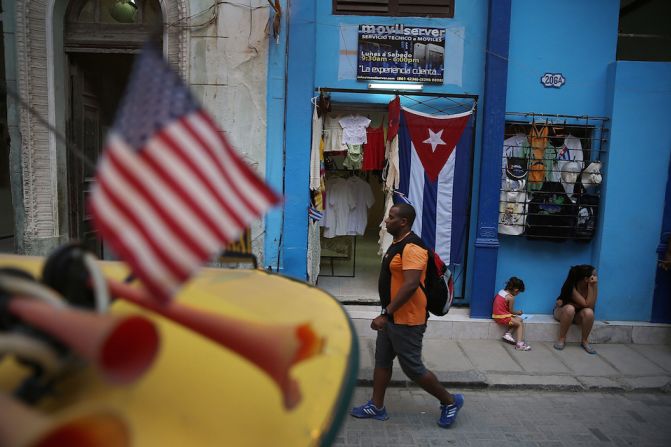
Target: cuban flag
{"points": [[435, 175]]}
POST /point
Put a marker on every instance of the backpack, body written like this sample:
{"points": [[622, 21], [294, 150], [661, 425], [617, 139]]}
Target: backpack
{"points": [[438, 285]]}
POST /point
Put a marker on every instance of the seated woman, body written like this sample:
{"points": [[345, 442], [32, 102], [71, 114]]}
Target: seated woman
{"points": [[576, 303]]}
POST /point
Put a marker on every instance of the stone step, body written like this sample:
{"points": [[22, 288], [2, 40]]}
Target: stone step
{"points": [[458, 325]]}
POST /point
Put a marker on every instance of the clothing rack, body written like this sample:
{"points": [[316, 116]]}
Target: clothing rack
{"points": [[342, 107], [413, 97], [395, 92]]}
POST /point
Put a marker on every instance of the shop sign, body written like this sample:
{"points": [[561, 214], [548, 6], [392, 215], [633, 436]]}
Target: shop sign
{"points": [[553, 80], [401, 53]]}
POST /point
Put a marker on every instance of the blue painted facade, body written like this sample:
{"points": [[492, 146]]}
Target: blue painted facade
{"points": [[580, 42]]}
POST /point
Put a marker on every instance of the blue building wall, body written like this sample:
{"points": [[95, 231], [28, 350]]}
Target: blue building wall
{"points": [[633, 202], [275, 143], [578, 39], [329, 36], [467, 29], [580, 42]]}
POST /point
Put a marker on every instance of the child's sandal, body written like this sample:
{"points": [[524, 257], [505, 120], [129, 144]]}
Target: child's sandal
{"points": [[522, 347]]}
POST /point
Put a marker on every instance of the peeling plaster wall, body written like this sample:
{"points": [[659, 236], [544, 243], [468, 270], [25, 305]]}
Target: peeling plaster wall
{"points": [[220, 48], [228, 72]]}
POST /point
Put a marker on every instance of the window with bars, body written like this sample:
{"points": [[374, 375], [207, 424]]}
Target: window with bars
{"points": [[551, 174], [395, 8]]}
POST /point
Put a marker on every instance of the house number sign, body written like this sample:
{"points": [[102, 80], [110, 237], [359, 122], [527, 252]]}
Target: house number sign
{"points": [[553, 80]]}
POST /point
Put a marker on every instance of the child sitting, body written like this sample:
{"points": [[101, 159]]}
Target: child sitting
{"points": [[504, 314]]}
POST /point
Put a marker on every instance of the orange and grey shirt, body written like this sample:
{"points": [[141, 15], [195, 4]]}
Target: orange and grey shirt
{"points": [[404, 255]]}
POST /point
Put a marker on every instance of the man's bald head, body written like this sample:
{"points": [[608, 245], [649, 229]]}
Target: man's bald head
{"points": [[406, 211]]}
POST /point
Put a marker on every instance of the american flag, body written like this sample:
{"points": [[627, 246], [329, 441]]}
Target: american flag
{"points": [[170, 190]]}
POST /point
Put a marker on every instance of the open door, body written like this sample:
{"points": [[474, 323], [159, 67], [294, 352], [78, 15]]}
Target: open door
{"points": [[86, 134], [97, 84]]}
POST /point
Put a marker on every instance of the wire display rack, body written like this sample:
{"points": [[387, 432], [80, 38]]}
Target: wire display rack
{"points": [[552, 169]]}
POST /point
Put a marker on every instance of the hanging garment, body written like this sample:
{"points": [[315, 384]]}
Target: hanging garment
{"points": [[569, 176], [512, 212], [390, 175], [322, 179], [571, 150], [515, 175], [316, 151], [314, 252], [333, 135], [591, 177], [354, 157], [393, 118], [373, 150], [551, 214], [434, 176], [515, 149], [588, 209], [338, 205], [538, 139], [513, 207], [354, 129], [362, 196], [385, 239], [552, 173]]}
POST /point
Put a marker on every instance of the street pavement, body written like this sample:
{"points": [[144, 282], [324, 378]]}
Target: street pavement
{"points": [[493, 364], [515, 418]]}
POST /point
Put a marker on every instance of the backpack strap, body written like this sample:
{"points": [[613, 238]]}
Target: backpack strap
{"points": [[384, 281], [412, 238]]}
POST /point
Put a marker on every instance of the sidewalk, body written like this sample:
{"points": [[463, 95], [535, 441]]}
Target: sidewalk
{"points": [[487, 362]]}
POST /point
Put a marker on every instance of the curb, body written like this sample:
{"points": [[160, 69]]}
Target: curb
{"points": [[486, 384]]}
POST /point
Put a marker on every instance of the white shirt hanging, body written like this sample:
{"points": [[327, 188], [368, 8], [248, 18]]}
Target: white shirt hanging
{"points": [[354, 129], [363, 198], [339, 202]]}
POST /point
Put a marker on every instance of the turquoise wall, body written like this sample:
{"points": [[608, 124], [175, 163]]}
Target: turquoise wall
{"points": [[635, 186], [466, 30], [332, 36], [578, 39], [275, 106]]}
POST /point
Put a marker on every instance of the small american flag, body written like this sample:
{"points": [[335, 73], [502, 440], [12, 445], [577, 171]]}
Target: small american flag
{"points": [[170, 190]]}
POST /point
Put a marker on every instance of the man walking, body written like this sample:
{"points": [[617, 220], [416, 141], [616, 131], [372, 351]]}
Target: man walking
{"points": [[401, 325]]}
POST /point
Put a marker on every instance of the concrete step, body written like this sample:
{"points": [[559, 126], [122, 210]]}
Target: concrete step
{"points": [[458, 325]]}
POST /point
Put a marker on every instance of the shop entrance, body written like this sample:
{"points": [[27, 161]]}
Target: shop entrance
{"points": [[350, 263]]}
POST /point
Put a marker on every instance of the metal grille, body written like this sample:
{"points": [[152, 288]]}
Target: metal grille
{"points": [[552, 170]]}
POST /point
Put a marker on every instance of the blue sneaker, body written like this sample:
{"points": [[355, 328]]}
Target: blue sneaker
{"points": [[370, 411], [448, 413]]}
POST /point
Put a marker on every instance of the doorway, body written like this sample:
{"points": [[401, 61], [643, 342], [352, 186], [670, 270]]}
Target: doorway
{"points": [[350, 264], [6, 206], [97, 82], [101, 39]]}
